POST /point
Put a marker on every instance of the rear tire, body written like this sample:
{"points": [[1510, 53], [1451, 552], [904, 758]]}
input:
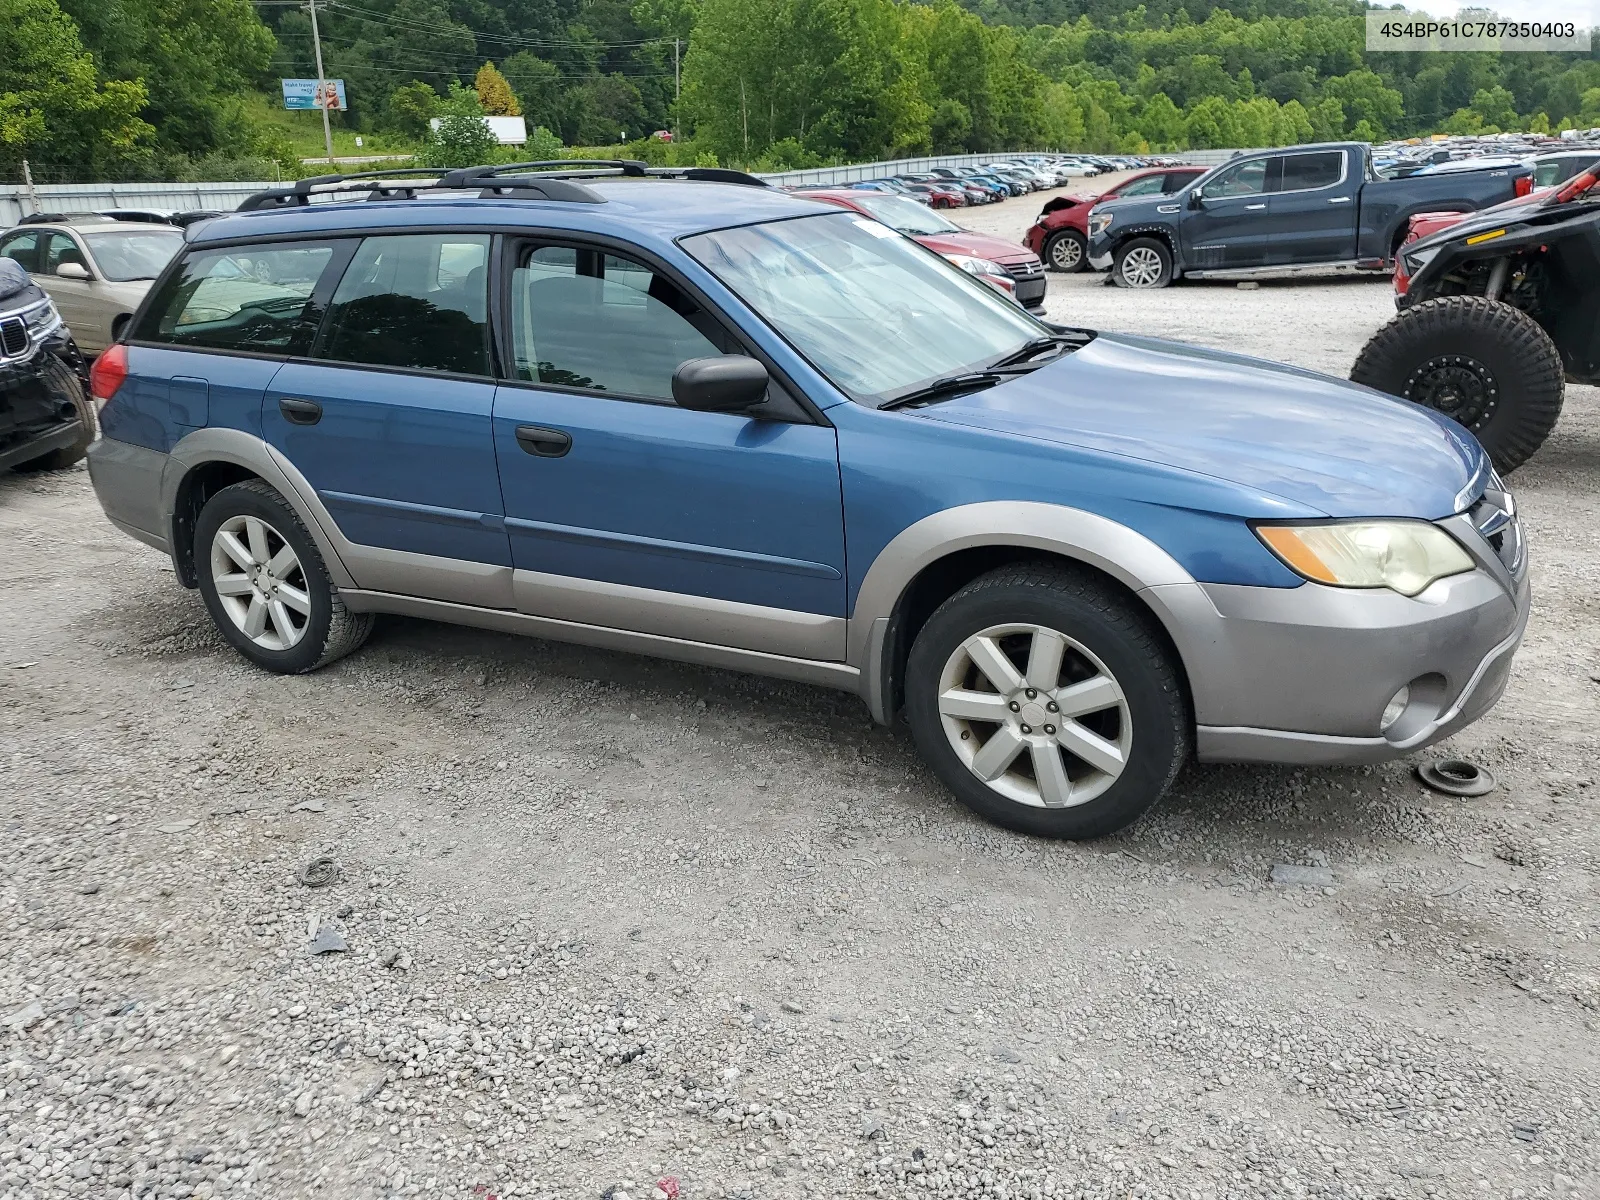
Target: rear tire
{"points": [[267, 588], [1484, 363], [1066, 251], [1142, 263], [1047, 702], [62, 379]]}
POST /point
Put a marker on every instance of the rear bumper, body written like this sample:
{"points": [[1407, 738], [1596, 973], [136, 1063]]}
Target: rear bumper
{"points": [[127, 481], [40, 443]]}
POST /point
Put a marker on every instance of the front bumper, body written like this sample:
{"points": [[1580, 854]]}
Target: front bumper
{"points": [[1303, 674]]}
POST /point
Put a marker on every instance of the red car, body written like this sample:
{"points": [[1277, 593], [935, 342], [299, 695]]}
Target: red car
{"points": [[1061, 234], [999, 263]]}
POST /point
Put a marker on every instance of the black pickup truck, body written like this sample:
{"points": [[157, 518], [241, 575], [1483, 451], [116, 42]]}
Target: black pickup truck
{"points": [[1300, 208]]}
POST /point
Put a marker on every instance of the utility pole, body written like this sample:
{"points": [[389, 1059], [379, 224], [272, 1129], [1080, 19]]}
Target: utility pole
{"points": [[677, 90], [322, 91]]}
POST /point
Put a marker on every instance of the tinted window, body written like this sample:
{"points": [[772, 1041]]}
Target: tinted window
{"points": [[61, 249], [242, 298], [1178, 180], [418, 301], [23, 248], [589, 320], [1304, 171], [1246, 179], [1150, 185]]}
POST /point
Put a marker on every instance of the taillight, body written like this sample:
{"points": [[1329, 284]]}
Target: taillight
{"points": [[107, 374], [1524, 185]]}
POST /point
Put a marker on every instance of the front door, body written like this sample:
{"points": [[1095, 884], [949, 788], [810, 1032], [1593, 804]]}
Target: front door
{"points": [[388, 418], [75, 298], [625, 510], [1230, 227]]}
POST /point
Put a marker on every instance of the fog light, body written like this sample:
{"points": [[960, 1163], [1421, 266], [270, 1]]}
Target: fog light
{"points": [[1393, 710]]}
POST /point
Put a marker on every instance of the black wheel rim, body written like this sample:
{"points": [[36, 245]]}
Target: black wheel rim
{"points": [[1458, 386]]}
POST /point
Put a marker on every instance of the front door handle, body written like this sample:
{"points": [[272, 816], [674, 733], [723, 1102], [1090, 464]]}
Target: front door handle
{"points": [[1340, 200], [300, 412], [544, 443], [1253, 207]]}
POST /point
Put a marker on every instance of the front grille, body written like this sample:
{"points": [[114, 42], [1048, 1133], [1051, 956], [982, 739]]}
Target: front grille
{"points": [[13, 337], [1029, 269]]}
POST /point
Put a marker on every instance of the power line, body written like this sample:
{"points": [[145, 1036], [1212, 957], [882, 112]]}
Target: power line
{"points": [[454, 29]]}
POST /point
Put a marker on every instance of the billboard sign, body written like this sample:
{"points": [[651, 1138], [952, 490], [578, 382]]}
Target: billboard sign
{"points": [[303, 93]]}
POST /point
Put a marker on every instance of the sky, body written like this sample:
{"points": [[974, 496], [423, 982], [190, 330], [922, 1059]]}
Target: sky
{"points": [[1581, 12]]}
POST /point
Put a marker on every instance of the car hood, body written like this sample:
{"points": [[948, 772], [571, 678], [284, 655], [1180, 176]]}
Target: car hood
{"points": [[1321, 444], [978, 245]]}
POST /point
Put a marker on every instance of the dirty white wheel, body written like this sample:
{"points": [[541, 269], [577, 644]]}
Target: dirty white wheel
{"points": [[1141, 267], [1035, 715], [260, 582]]}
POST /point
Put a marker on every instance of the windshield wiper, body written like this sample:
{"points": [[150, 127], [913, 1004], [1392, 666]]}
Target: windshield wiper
{"points": [[948, 386], [1039, 345]]}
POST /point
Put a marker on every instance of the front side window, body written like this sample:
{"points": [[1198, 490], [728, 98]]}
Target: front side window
{"points": [[124, 257], [62, 249], [875, 312], [582, 318], [1246, 179], [23, 249], [1303, 172], [255, 298], [418, 301]]}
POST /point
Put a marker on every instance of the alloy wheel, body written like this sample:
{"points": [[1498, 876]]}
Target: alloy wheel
{"points": [[1065, 253], [1141, 267], [1035, 715], [260, 582]]}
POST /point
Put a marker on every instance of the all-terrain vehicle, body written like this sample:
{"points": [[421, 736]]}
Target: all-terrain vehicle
{"points": [[1496, 312]]}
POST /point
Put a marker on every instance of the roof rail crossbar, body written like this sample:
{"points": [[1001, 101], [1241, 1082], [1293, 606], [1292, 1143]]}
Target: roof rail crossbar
{"points": [[532, 187]]}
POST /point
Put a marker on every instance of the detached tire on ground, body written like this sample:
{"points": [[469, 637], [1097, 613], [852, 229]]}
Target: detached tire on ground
{"points": [[1047, 702], [265, 585], [1486, 364], [1142, 263], [1066, 251], [62, 380]]}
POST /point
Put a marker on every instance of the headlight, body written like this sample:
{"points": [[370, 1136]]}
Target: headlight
{"points": [[978, 266], [42, 320], [1415, 261], [1099, 222], [1405, 556]]}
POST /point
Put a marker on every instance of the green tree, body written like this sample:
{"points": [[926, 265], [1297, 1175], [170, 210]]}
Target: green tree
{"points": [[539, 88], [495, 94], [462, 138], [1365, 97], [1496, 106], [411, 106], [54, 109]]}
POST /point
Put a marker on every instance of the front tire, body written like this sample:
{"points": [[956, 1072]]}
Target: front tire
{"points": [[1488, 365], [1142, 263], [1047, 702], [1066, 251], [265, 585]]}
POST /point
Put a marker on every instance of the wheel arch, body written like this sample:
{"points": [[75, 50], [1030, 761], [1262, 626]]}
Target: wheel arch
{"points": [[1160, 233], [934, 558]]}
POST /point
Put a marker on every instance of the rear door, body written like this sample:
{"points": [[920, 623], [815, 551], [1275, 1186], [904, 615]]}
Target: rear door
{"points": [[388, 417], [1312, 213], [1230, 228]]}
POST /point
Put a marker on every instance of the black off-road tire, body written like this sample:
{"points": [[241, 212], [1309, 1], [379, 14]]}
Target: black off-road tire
{"points": [[1062, 243], [64, 456], [1493, 347], [1134, 248], [1085, 608], [332, 630]]}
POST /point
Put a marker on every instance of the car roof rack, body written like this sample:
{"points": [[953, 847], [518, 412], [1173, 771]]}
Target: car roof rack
{"points": [[545, 179]]}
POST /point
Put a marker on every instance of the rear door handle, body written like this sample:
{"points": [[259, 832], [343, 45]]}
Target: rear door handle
{"points": [[300, 412], [1253, 207], [544, 443]]}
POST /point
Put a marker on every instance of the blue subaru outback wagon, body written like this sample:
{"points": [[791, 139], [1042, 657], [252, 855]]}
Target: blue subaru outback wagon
{"points": [[687, 415]]}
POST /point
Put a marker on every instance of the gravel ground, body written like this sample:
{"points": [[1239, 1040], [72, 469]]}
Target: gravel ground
{"points": [[622, 928]]}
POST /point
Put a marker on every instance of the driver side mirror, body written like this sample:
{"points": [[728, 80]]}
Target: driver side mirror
{"points": [[72, 270], [728, 383], [1197, 199]]}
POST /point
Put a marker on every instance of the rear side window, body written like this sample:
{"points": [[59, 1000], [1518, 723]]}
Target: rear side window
{"points": [[1302, 172], [241, 298], [418, 301], [1148, 186]]}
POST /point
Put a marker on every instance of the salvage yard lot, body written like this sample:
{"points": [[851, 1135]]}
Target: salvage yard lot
{"points": [[611, 920]]}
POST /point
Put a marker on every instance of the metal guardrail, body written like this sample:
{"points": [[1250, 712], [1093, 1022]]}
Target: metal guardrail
{"points": [[18, 200]]}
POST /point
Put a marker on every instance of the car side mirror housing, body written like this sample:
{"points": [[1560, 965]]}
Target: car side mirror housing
{"points": [[72, 270], [1197, 199], [728, 383]]}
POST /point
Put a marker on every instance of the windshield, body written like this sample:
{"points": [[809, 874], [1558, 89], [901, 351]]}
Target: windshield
{"points": [[123, 257], [873, 311], [907, 216]]}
